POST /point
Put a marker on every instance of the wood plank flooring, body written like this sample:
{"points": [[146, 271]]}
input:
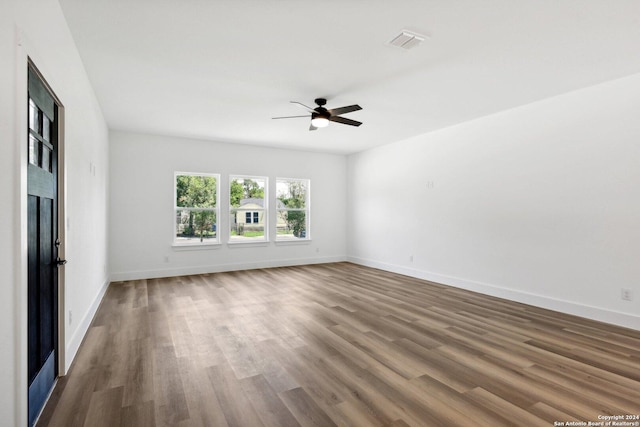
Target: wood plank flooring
{"points": [[338, 345]]}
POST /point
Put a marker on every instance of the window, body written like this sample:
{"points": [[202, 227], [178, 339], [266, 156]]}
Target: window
{"points": [[40, 132], [248, 209], [292, 209], [196, 208], [252, 217]]}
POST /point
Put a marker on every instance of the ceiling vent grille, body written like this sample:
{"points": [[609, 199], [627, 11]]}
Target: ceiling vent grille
{"points": [[407, 40]]}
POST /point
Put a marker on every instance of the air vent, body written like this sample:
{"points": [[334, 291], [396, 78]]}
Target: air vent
{"points": [[407, 40]]}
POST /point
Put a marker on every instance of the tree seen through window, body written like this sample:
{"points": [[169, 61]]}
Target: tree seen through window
{"points": [[293, 208], [196, 208]]}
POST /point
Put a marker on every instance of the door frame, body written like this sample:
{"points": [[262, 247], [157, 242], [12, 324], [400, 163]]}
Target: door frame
{"points": [[61, 202], [25, 60]]}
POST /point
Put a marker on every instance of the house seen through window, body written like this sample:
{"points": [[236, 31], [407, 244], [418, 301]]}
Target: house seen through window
{"points": [[248, 210]]}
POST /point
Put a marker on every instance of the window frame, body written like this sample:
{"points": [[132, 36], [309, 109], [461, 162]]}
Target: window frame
{"points": [[233, 211], [306, 210], [216, 210]]}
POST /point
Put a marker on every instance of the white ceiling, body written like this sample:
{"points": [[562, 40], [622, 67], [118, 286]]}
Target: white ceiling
{"points": [[220, 69]]}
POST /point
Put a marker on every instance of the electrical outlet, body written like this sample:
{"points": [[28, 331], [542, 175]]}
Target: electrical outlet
{"points": [[166, 258], [410, 258], [626, 294], [70, 317]]}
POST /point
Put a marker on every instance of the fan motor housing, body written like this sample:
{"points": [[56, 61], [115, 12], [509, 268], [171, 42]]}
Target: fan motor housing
{"points": [[321, 112]]}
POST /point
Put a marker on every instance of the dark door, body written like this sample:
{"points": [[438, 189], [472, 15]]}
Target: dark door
{"points": [[42, 219]]}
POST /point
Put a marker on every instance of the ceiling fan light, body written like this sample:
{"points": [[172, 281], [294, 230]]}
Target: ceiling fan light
{"points": [[320, 122]]}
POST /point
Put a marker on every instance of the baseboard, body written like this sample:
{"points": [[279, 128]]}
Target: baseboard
{"points": [[83, 327], [594, 313], [219, 268]]}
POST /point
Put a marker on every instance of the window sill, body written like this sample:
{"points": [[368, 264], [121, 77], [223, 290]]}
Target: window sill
{"points": [[293, 242], [195, 246], [240, 243]]}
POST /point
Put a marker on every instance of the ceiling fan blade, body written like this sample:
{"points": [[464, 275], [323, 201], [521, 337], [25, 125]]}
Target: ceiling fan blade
{"points": [[311, 110], [344, 121], [344, 110], [312, 127], [289, 117]]}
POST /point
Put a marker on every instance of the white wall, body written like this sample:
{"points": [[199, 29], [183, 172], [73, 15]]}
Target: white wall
{"points": [[37, 29], [539, 204], [9, 270], [141, 214]]}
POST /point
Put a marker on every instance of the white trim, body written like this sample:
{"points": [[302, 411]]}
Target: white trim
{"points": [[62, 235], [171, 272], [83, 327], [195, 246], [293, 242], [22, 52], [244, 243], [594, 313]]}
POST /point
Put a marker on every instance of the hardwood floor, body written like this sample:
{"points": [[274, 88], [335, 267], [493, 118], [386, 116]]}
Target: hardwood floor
{"points": [[338, 344]]}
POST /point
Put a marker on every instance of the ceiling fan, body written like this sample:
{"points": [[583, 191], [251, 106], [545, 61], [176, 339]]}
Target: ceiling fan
{"points": [[320, 116]]}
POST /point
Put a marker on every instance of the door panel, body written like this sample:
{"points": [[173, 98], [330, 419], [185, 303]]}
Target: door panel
{"points": [[47, 270], [34, 306]]}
